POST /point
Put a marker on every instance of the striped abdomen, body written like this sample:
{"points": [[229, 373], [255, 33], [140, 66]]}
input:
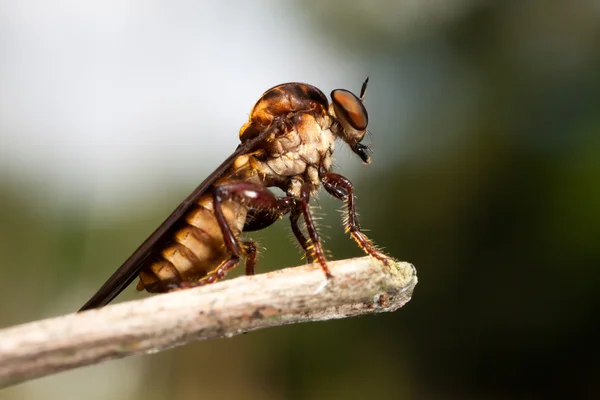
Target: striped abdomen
{"points": [[196, 249]]}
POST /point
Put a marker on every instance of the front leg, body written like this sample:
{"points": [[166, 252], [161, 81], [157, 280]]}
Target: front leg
{"points": [[341, 188]]}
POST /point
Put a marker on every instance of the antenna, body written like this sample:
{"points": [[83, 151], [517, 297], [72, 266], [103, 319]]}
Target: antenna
{"points": [[363, 89]]}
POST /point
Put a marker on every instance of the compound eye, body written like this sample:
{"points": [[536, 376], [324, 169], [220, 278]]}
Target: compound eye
{"points": [[349, 109]]}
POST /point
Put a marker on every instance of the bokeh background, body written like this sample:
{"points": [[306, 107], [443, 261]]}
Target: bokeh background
{"points": [[485, 121]]}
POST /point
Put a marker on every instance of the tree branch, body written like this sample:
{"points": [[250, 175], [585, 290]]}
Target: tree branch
{"points": [[287, 296]]}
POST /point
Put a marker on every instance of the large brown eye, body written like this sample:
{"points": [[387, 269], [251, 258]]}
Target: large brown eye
{"points": [[349, 109]]}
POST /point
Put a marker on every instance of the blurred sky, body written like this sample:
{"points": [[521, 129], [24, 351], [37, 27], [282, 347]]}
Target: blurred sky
{"points": [[104, 98]]}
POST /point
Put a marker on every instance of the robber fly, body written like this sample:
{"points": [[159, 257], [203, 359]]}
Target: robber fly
{"points": [[287, 143]]}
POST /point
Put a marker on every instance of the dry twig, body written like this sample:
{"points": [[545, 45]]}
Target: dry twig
{"points": [[291, 295]]}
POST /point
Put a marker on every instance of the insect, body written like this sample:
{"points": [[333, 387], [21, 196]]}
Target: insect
{"points": [[288, 143]]}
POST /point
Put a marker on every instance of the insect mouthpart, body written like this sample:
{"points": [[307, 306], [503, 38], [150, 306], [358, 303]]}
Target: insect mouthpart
{"points": [[363, 152]]}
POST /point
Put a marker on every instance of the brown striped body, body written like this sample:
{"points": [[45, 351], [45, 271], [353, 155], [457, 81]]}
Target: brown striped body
{"points": [[197, 247]]}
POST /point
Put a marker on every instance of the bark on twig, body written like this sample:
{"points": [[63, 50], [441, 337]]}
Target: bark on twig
{"points": [[287, 296]]}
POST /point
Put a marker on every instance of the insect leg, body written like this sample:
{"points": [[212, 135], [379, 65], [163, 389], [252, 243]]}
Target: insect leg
{"points": [[341, 188], [294, 216], [254, 197], [315, 247], [249, 248], [212, 277], [250, 252], [260, 219], [266, 206], [250, 195], [251, 255]]}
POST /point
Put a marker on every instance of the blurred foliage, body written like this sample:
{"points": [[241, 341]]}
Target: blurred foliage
{"points": [[494, 195]]}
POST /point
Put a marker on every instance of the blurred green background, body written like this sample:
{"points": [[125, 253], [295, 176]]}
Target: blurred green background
{"points": [[485, 121]]}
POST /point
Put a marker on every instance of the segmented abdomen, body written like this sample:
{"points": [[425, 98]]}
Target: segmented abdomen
{"points": [[197, 248]]}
